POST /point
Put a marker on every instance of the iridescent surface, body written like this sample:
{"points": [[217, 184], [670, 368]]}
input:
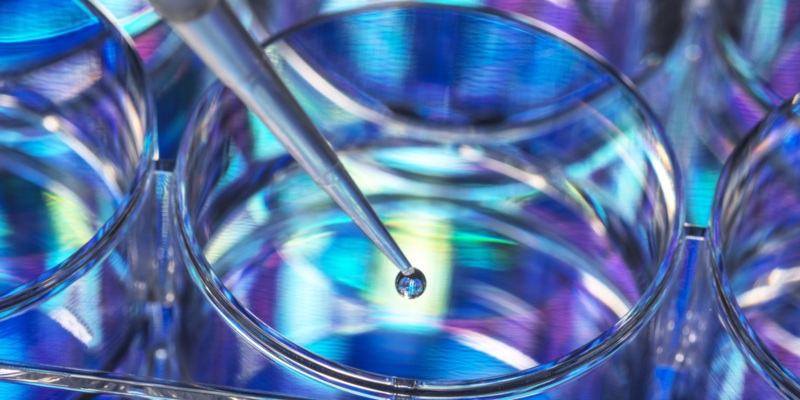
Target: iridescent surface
{"points": [[177, 77], [52, 201], [754, 55], [135, 16], [503, 294], [755, 238], [741, 65], [26, 42], [527, 183], [695, 355], [655, 43], [761, 38], [74, 155], [634, 35]]}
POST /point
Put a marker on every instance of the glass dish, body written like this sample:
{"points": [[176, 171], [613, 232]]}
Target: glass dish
{"points": [[524, 177], [76, 156], [753, 237]]}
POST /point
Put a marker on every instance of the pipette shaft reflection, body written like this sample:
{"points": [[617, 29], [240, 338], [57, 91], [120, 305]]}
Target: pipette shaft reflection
{"points": [[213, 31]]}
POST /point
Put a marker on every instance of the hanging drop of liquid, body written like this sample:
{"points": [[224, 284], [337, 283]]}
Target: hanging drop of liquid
{"points": [[410, 286]]}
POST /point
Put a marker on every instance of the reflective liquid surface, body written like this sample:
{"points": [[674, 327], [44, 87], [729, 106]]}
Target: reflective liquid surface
{"points": [[52, 199], [505, 290]]}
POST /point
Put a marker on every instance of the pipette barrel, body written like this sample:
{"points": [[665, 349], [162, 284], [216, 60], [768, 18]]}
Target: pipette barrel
{"points": [[213, 31]]}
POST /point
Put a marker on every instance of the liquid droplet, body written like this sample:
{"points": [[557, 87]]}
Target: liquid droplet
{"points": [[410, 286]]}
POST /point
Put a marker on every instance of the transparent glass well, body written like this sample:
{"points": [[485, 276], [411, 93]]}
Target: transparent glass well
{"points": [[753, 240], [75, 160], [522, 174]]}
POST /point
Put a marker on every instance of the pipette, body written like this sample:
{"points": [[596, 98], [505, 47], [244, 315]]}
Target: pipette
{"points": [[213, 31]]}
